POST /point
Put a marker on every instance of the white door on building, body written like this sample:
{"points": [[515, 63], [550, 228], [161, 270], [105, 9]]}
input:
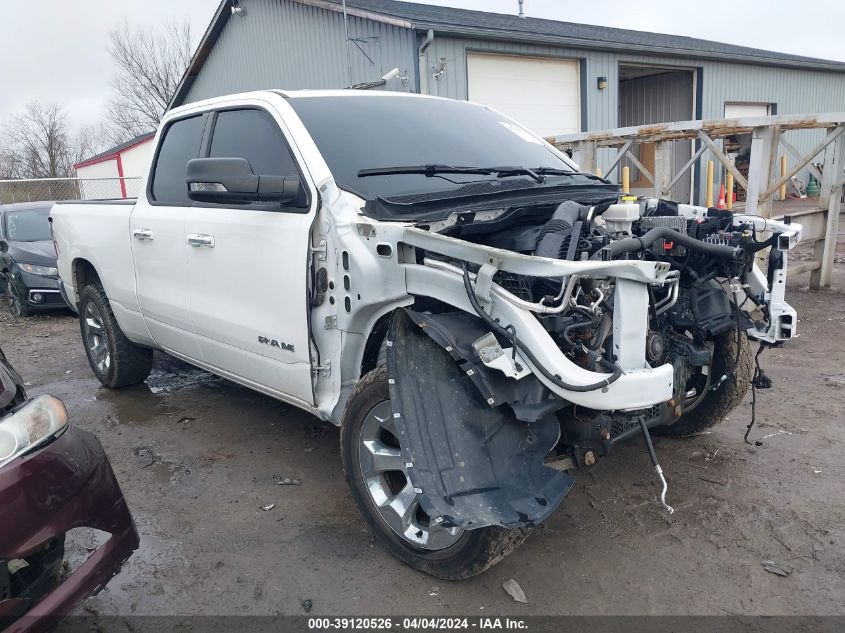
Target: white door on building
{"points": [[542, 93]]}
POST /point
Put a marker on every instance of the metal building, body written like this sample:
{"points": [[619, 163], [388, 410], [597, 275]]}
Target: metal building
{"points": [[555, 77]]}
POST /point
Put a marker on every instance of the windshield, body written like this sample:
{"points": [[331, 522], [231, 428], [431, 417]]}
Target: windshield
{"points": [[358, 132], [32, 225]]}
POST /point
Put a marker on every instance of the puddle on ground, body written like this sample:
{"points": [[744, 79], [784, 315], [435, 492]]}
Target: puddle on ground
{"points": [[144, 402], [179, 473], [156, 559], [172, 376]]}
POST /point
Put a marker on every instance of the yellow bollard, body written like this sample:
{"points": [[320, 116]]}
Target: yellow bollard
{"points": [[626, 180], [730, 191], [709, 201], [598, 172], [782, 174]]}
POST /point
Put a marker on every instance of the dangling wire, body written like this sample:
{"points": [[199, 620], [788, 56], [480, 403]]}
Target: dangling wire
{"points": [[758, 381]]}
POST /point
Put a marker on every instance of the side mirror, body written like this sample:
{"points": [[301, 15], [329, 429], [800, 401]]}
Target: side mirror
{"points": [[222, 180], [4, 246]]}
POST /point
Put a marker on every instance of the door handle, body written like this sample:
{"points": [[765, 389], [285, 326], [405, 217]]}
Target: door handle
{"points": [[200, 239], [142, 234]]}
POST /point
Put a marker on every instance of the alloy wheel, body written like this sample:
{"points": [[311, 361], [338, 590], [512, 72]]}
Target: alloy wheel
{"points": [[96, 341], [389, 487], [14, 301]]}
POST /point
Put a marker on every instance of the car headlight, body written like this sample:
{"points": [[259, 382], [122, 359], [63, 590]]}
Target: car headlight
{"points": [[44, 271], [34, 423]]}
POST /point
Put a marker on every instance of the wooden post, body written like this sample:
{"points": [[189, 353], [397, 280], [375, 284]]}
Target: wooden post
{"points": [[831, 196], [729, 201], [782, 195], [664, 168], [587, 155], [709, 199], [760, 171], [626, 180]]}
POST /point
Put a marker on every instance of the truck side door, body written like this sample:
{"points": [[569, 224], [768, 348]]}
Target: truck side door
{"points": [[248, 263], [157, 232]]}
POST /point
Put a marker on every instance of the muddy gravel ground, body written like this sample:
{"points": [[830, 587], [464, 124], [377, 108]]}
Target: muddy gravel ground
{"points": [[198, 457]]}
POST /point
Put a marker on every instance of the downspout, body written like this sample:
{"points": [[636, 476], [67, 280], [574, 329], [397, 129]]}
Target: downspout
{"points": [[423, 66]]}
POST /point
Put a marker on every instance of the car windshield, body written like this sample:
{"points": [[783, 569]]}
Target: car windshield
{"points": [[30, 225], [355, 132]]}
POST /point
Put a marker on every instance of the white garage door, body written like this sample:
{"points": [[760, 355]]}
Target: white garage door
{"points": [[741, 110], [541, 93]]}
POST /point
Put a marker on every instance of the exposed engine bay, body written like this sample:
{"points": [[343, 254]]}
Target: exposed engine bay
{"points": [[695, 323]]}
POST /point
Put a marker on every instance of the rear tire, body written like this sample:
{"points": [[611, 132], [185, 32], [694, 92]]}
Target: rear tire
{"points": [[717, 404], [464, 554], [115, 360]]}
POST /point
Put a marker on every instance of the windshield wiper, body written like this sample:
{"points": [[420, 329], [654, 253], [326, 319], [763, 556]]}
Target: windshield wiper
{"points": [[554, 171], [434, 170]]}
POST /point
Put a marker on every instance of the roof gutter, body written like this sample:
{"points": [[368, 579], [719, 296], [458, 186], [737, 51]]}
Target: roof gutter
{"points": [[626, 47], [115, 154], [358, 13]]}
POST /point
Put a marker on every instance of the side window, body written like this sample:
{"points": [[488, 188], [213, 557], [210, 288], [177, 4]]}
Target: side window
{"points": [[255, 136], [181, 143]]}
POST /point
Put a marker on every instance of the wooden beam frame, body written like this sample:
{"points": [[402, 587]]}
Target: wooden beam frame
{"points": [[832, 136], [763, 178], [791, 149], [727, 163]]}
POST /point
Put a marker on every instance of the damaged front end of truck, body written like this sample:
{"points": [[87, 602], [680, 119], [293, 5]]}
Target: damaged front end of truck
{"points": [[514, 367], [487, 319]]}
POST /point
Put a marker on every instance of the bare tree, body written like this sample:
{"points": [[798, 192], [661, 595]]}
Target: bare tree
{"points": [[11, 166], [41, 146], [91, 140], [150, 64], [39, 141]]}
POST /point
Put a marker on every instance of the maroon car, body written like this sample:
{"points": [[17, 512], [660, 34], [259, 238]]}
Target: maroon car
{"points": [[53, 478]]}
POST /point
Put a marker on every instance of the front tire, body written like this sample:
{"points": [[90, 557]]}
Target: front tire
{"points": [[375, 472], [115, 360], [17, 305], [716, 404]]}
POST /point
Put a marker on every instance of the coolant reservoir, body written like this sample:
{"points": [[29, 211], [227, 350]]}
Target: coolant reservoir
{"points": [[619, 217]]}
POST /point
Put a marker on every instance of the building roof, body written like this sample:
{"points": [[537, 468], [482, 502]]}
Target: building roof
{"points": [[464, 21], [483, 24], [111, 153]]}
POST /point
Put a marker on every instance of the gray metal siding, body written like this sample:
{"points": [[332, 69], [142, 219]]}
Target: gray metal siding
{"points": [[453, 83], [284, 44], [793, 91], [655, 99], [287, 45]]}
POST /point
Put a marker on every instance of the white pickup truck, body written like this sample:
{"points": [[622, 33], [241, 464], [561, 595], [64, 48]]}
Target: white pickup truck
{"points": [[479, 317]]}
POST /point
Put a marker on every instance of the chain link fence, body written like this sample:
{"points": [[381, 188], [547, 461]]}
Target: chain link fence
{"points": [[38, 189]]}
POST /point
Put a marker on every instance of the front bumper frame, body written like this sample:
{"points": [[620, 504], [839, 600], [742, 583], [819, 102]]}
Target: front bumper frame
{"points": [[25, 284], [66, 484]]}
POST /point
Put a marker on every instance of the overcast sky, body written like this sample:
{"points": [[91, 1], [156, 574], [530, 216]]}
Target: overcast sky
{"points": [[56, 50]]}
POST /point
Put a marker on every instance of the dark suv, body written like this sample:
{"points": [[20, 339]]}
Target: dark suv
{"points": [[28, 258]]}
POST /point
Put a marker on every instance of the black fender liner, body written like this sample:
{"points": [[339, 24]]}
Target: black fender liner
{"points": [[473, 464]]}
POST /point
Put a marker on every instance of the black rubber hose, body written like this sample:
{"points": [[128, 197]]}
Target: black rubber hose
{"points": [[637, 243], [498, 329], [648, 443]]}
